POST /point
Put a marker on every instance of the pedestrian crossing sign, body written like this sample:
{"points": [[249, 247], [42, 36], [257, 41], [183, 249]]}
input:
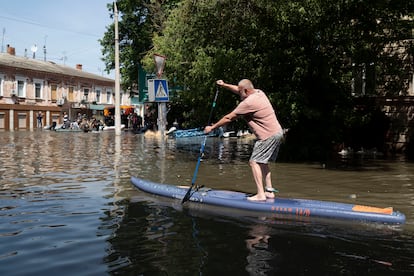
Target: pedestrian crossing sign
{"points": [[158, 90]]}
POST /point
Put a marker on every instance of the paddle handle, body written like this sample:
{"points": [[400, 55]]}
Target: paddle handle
{"points": [[212, 107]]}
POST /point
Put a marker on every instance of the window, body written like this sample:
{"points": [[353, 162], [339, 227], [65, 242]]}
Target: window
{"points": [[121, 96], [71, 97], [2, 120], [108, 96], [38, 90], [22, 120], [364, 79], [53, 90], [21, 87], [38, 86], [85, 94], [98, 95], [1, 85]]}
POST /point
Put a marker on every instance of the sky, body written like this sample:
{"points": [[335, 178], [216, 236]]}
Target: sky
{"points": [[70, 30]]}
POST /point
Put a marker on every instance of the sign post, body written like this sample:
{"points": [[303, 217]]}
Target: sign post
{"points": [[158, 92]]}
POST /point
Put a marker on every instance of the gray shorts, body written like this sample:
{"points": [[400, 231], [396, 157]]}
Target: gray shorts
{"points": [[266, 150]]}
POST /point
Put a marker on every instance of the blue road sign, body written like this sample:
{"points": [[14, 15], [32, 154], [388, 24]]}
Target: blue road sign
{"points": [[158, 90]]}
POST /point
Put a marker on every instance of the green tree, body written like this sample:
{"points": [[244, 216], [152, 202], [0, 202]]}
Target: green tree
{"points": [[138, 21], [309, 56], [304, 54]]}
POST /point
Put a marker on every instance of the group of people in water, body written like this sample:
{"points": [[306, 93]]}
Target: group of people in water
{"points": [[82, 122], [86, 124]]}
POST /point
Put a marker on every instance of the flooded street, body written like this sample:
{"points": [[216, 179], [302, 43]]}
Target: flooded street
{"points": [[67, 207]]}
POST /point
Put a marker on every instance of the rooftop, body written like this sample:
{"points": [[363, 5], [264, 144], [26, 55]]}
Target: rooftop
{"points": [[27, 63]]}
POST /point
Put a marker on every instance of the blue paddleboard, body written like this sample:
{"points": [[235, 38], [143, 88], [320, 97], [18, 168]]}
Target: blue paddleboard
{"points": [[300, 208]]}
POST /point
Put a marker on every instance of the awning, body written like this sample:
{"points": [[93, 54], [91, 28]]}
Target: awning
{"points": [[96, 106], [110, 109], [122, 106]]}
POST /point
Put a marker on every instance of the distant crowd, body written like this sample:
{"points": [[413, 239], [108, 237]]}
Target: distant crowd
{"points": [[132, 120], [82, 122]]}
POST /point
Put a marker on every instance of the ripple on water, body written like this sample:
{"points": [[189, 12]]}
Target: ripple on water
{"points": [[61, 220], [65, 209]]}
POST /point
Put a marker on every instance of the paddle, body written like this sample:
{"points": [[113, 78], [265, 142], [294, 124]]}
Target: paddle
{"points": [[203, 144]]}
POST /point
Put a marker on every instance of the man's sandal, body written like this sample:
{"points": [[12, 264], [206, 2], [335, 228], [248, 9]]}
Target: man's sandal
{"points": [[271, 190]]}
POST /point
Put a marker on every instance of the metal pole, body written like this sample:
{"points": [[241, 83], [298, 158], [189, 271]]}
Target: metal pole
{"points": [[2, 40], [44, 49], [117, 85], [161, 118]]}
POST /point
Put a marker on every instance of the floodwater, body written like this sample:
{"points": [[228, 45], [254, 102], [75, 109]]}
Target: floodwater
{"points": [[67, 207]]}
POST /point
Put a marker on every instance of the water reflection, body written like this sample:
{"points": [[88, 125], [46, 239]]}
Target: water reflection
{"points": [[260, 259], [212, 241], [67, 206]]}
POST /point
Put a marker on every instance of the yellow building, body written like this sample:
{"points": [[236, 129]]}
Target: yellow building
{"points": [[29, 86]]}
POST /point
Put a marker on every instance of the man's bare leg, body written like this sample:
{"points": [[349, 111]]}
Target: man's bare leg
{"points": [[268, 180], [258, 179]]}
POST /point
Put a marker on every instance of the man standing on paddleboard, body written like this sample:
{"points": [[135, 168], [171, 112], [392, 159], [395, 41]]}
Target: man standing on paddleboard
{"points": [[257, 110]]}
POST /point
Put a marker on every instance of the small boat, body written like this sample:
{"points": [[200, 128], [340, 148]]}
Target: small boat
{"points": [[112, 128], [228, 134], [184, 133], [284, 207], [67, 128]]}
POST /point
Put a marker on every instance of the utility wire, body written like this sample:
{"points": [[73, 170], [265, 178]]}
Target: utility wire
{"points": [[33, 23]]}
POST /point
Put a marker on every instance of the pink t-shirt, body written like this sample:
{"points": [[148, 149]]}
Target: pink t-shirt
{"points": [[257, 110]]}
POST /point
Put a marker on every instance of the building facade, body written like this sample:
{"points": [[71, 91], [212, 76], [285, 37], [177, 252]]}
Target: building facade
{"points": [[29, 86]]}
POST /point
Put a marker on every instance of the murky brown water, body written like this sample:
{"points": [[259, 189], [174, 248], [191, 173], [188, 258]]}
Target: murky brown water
{"points": [[67, 206]]}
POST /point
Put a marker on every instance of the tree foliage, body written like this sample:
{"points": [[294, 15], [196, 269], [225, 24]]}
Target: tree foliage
{"points": [[305, 54], [138, 22]]}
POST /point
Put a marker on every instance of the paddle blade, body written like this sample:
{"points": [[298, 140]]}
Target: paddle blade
{"points": [[187, 195]]}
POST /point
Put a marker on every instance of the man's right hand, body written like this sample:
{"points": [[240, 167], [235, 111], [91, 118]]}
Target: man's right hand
{"points": [[220, 82]]}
